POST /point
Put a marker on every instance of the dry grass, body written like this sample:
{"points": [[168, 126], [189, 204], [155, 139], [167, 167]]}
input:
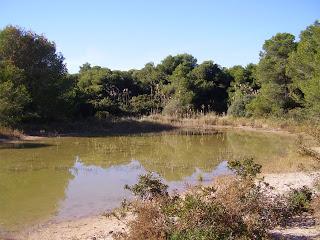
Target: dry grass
{"points": [[211, 119], [150, 223], [308, 130], [9, 133]]}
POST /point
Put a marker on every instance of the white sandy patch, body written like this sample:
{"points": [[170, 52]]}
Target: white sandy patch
{"points": [[283, 182], [95, 227]]}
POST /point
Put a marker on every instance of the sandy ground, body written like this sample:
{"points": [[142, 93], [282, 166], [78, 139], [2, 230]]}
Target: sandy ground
{"points": [[283, 182], [90, 228], [102, 228]]}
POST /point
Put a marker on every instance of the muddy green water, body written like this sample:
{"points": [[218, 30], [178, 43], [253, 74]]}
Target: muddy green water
{"points": [[65, 178]]}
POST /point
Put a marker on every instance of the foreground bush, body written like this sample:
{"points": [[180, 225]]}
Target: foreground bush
{"points": [[236, 207]]}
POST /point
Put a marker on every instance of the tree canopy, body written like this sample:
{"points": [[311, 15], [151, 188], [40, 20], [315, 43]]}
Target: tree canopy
{"points": [[35, 84]]}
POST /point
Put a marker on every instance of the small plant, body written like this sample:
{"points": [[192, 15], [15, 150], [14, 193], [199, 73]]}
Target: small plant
{"points": [[299, 200], [245, 168], [149, 187]]}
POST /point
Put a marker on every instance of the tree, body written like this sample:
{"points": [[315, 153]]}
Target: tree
{"points": [[242, 89], [304, 69], [271, 75], [104, 90], [43, 69], [13, 95], [210, 84]]}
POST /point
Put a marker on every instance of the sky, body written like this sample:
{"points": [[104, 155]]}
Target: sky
{"points": [[127, 34]]}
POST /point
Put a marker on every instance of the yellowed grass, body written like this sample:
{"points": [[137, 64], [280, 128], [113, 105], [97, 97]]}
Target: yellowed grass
{"points": [[211, 119], [6, 132]]}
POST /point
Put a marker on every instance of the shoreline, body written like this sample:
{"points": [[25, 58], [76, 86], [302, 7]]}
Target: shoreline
{"points": [[101, 227], [155, 124], [113, 129]]}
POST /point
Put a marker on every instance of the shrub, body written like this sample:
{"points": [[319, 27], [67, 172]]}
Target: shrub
{"points": [[143, 104], [176, 107], [245, 168], [150, 223], [238, 106], [148, 187], [13, 100], [234, 208], [299, 200]]}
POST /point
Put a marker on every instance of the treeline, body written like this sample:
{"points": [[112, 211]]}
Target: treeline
{"points": [[35, 85]]}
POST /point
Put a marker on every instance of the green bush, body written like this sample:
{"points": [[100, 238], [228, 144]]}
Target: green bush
{"points": [[13, 100], [238, 106], [299, 200], [149, 186], [143, 104], [245, 168]]}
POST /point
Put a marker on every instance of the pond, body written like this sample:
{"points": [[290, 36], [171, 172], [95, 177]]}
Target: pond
{"points": [[71, 177]]}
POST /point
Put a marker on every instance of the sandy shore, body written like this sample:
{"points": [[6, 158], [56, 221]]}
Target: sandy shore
{"points": [[102, 228], [94, 227]]}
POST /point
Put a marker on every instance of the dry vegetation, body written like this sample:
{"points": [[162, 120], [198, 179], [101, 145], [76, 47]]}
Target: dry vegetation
{"points": [[308, 131], [238, 207], [9, 133], [212, 119]]}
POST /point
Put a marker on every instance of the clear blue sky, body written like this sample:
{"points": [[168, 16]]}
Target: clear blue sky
{"points": [[127, 34]]}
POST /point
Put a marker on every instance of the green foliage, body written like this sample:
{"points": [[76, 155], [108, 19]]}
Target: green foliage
{"points": [[43, 70], [144, 104], [270, 100], [238, 108], [274, 97], [300, 199], [149, 186], [13, 96], [285, 82], [12, 103], [245, 168], [305, 71], [242, 89]]}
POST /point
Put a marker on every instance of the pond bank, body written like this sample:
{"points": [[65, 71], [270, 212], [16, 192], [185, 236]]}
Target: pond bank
{"points": [[99, 227], [127, 126], [102, 227]]}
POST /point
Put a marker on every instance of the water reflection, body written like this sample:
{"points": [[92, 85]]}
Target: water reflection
{"points": [[71, 177], [93, 189]]}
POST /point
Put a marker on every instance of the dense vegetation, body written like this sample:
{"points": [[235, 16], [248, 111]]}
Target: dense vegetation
{"points": [[35, 85]]}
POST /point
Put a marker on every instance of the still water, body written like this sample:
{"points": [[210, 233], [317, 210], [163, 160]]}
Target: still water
{"points": [[70, 177]]}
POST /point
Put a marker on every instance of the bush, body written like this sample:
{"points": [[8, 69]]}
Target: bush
{"points": [[175, 107], [143, 104], [234, 208], [245, 168], [299, 200], [13, 100], [148, 187], [150, 223], [238, 106]]}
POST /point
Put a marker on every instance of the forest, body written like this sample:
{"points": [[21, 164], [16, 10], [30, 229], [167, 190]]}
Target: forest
{"points": [[35, 86]]}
